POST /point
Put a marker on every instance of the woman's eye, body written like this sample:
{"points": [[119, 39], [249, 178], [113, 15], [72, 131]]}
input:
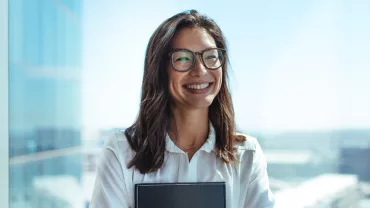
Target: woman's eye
{"points": [[183, 59], [211, 57]]}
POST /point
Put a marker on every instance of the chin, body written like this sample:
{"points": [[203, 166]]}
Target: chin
{"points": [[201, 103]]}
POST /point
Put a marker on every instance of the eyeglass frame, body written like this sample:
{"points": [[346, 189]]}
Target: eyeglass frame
{"points": [[195, 55]]}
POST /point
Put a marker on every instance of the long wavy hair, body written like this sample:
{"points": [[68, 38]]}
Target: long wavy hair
{"points": [[147, 136]]}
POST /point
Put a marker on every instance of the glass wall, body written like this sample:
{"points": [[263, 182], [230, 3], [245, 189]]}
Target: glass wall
{"points": [[45, 45]]}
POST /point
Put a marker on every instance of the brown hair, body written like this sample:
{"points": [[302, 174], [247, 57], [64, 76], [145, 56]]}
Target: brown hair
{"points": [[147, 136]]}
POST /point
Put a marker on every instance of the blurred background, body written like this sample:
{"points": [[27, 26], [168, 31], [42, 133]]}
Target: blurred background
{"points": [[300, 84]]}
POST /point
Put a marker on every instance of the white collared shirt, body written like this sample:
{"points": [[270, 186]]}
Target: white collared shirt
{"points": [[247, 183]]}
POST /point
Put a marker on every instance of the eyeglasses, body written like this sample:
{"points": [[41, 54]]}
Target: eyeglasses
{"points": [[183, 60]]}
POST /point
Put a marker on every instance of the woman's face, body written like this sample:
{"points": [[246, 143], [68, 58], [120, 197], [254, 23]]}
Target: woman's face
{"points": [[198, 87]]}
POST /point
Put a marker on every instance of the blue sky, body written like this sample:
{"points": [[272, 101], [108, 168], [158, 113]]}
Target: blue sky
{"points": [[296, 64]]}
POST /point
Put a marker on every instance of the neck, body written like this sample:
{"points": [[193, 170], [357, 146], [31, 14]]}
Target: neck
{"points": [[189, 127]]}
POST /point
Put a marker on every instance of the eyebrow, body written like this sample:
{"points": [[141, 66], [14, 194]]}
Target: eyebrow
{"points": [[179, 49]]}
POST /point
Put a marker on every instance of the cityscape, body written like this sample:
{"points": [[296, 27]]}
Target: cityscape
{"points": [[335, 173], [53, 157]]}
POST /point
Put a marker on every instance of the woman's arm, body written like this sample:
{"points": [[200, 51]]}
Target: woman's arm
{"points": [[258, 194], [109, 189]]}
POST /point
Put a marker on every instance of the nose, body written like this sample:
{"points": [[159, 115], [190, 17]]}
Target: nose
{"points": [[199, 69]]}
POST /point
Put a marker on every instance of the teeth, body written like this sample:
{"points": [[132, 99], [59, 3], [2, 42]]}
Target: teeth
{"points": [[198, 87]]}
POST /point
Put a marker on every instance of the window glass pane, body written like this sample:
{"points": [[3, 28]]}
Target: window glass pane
{"points": [[46, 161]]}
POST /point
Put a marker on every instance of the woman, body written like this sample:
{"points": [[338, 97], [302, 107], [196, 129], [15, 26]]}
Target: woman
{"points": [[185, 130]]}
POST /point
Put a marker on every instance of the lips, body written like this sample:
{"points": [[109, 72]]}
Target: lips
{"points": [[198, 88]]}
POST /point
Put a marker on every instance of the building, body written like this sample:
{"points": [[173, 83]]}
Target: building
{"points": [[44, 94], [354, 156], [355, 160]]}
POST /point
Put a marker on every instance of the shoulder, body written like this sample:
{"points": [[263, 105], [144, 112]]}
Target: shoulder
{"points": [[115, 138], [117, 143], [248, 150], [249, 144]]}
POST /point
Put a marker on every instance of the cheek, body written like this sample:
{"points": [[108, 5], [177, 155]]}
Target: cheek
{"points": [[174, 80], [218, 77]]}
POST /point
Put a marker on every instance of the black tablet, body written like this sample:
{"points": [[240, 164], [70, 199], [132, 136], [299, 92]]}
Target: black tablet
{"points": [[180, 195]]}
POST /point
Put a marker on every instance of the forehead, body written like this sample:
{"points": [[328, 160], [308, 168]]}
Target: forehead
{"points": [[194, 39]]}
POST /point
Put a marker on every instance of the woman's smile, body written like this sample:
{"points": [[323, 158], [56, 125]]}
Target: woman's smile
{"points": [[198, 88]]}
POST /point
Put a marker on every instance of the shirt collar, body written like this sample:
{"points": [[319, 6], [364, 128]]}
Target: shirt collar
{"points": [[208, 146]]}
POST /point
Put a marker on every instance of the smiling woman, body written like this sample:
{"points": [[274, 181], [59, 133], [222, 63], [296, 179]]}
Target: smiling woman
{"points": [[185, 131]]}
